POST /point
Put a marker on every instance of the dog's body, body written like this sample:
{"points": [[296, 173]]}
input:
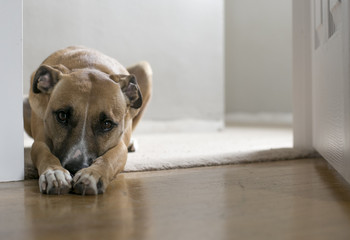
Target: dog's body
{"points": [[83, 108]]}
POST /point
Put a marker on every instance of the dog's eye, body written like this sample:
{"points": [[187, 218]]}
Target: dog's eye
{"points": [[107, 125], [62, 117]]}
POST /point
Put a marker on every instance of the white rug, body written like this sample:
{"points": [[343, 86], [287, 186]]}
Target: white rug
{"points": [[230, 146], [158, 151]]}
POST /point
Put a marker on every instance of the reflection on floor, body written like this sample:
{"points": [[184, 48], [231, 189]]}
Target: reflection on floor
{"points": [[297, 199]]}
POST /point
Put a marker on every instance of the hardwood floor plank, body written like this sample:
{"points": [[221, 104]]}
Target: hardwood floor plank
{"points": [[298, 199]]}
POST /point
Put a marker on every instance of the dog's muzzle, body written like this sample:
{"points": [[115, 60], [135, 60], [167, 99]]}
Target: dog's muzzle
{"points": [[77, 162], [74, 167]]}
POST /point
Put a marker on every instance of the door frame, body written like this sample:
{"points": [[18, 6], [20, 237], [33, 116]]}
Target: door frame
{"points": [[11, 67], [302, 83], [302, 74]]}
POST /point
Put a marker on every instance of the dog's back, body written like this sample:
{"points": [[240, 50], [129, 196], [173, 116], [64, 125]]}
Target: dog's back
{"points": [[77, 57]]}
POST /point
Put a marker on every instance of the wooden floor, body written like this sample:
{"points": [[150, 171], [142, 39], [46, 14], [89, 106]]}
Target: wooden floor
{"points": [[299, 199]]}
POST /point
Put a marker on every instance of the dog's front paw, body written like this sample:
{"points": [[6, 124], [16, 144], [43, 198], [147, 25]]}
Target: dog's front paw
{"points": [[88, 182], [55, 181]]}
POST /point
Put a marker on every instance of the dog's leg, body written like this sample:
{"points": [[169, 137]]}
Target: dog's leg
{"points": [[143, 73], [27, 114], [54, 179], [95, 179]]}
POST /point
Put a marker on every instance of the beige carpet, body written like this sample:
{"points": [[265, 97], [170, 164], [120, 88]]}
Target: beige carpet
{"points": [[230, 146], [166, 150]]}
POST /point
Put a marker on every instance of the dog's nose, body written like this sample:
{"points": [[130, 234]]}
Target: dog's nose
{"points": [[74, 166]]}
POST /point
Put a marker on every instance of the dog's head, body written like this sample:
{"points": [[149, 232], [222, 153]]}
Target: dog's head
{"points": [[84, 111]]}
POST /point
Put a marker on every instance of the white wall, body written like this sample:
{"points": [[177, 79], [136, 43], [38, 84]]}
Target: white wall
{"points": [[183, 41], [258, 56], [11, 123]]}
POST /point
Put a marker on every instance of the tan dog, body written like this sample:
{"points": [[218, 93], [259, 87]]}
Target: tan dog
{"points": [[83, 108]]}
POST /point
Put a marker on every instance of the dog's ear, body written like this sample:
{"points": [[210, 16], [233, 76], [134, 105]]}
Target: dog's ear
{"points": [[45, 79], [130, 88]]}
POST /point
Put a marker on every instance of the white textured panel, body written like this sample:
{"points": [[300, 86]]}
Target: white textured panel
{"points": [[346, 59], [334, 16], [333, 4], [330, 95]]}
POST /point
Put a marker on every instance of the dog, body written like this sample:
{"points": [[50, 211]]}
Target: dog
{"points": [[82, 109]]}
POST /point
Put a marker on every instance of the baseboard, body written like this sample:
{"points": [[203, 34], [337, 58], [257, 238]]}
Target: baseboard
{"points": [[260, 119], [180, 125]]}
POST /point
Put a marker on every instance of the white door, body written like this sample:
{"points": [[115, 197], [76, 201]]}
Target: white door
{"points": [[331, 82], [11, 123]]}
